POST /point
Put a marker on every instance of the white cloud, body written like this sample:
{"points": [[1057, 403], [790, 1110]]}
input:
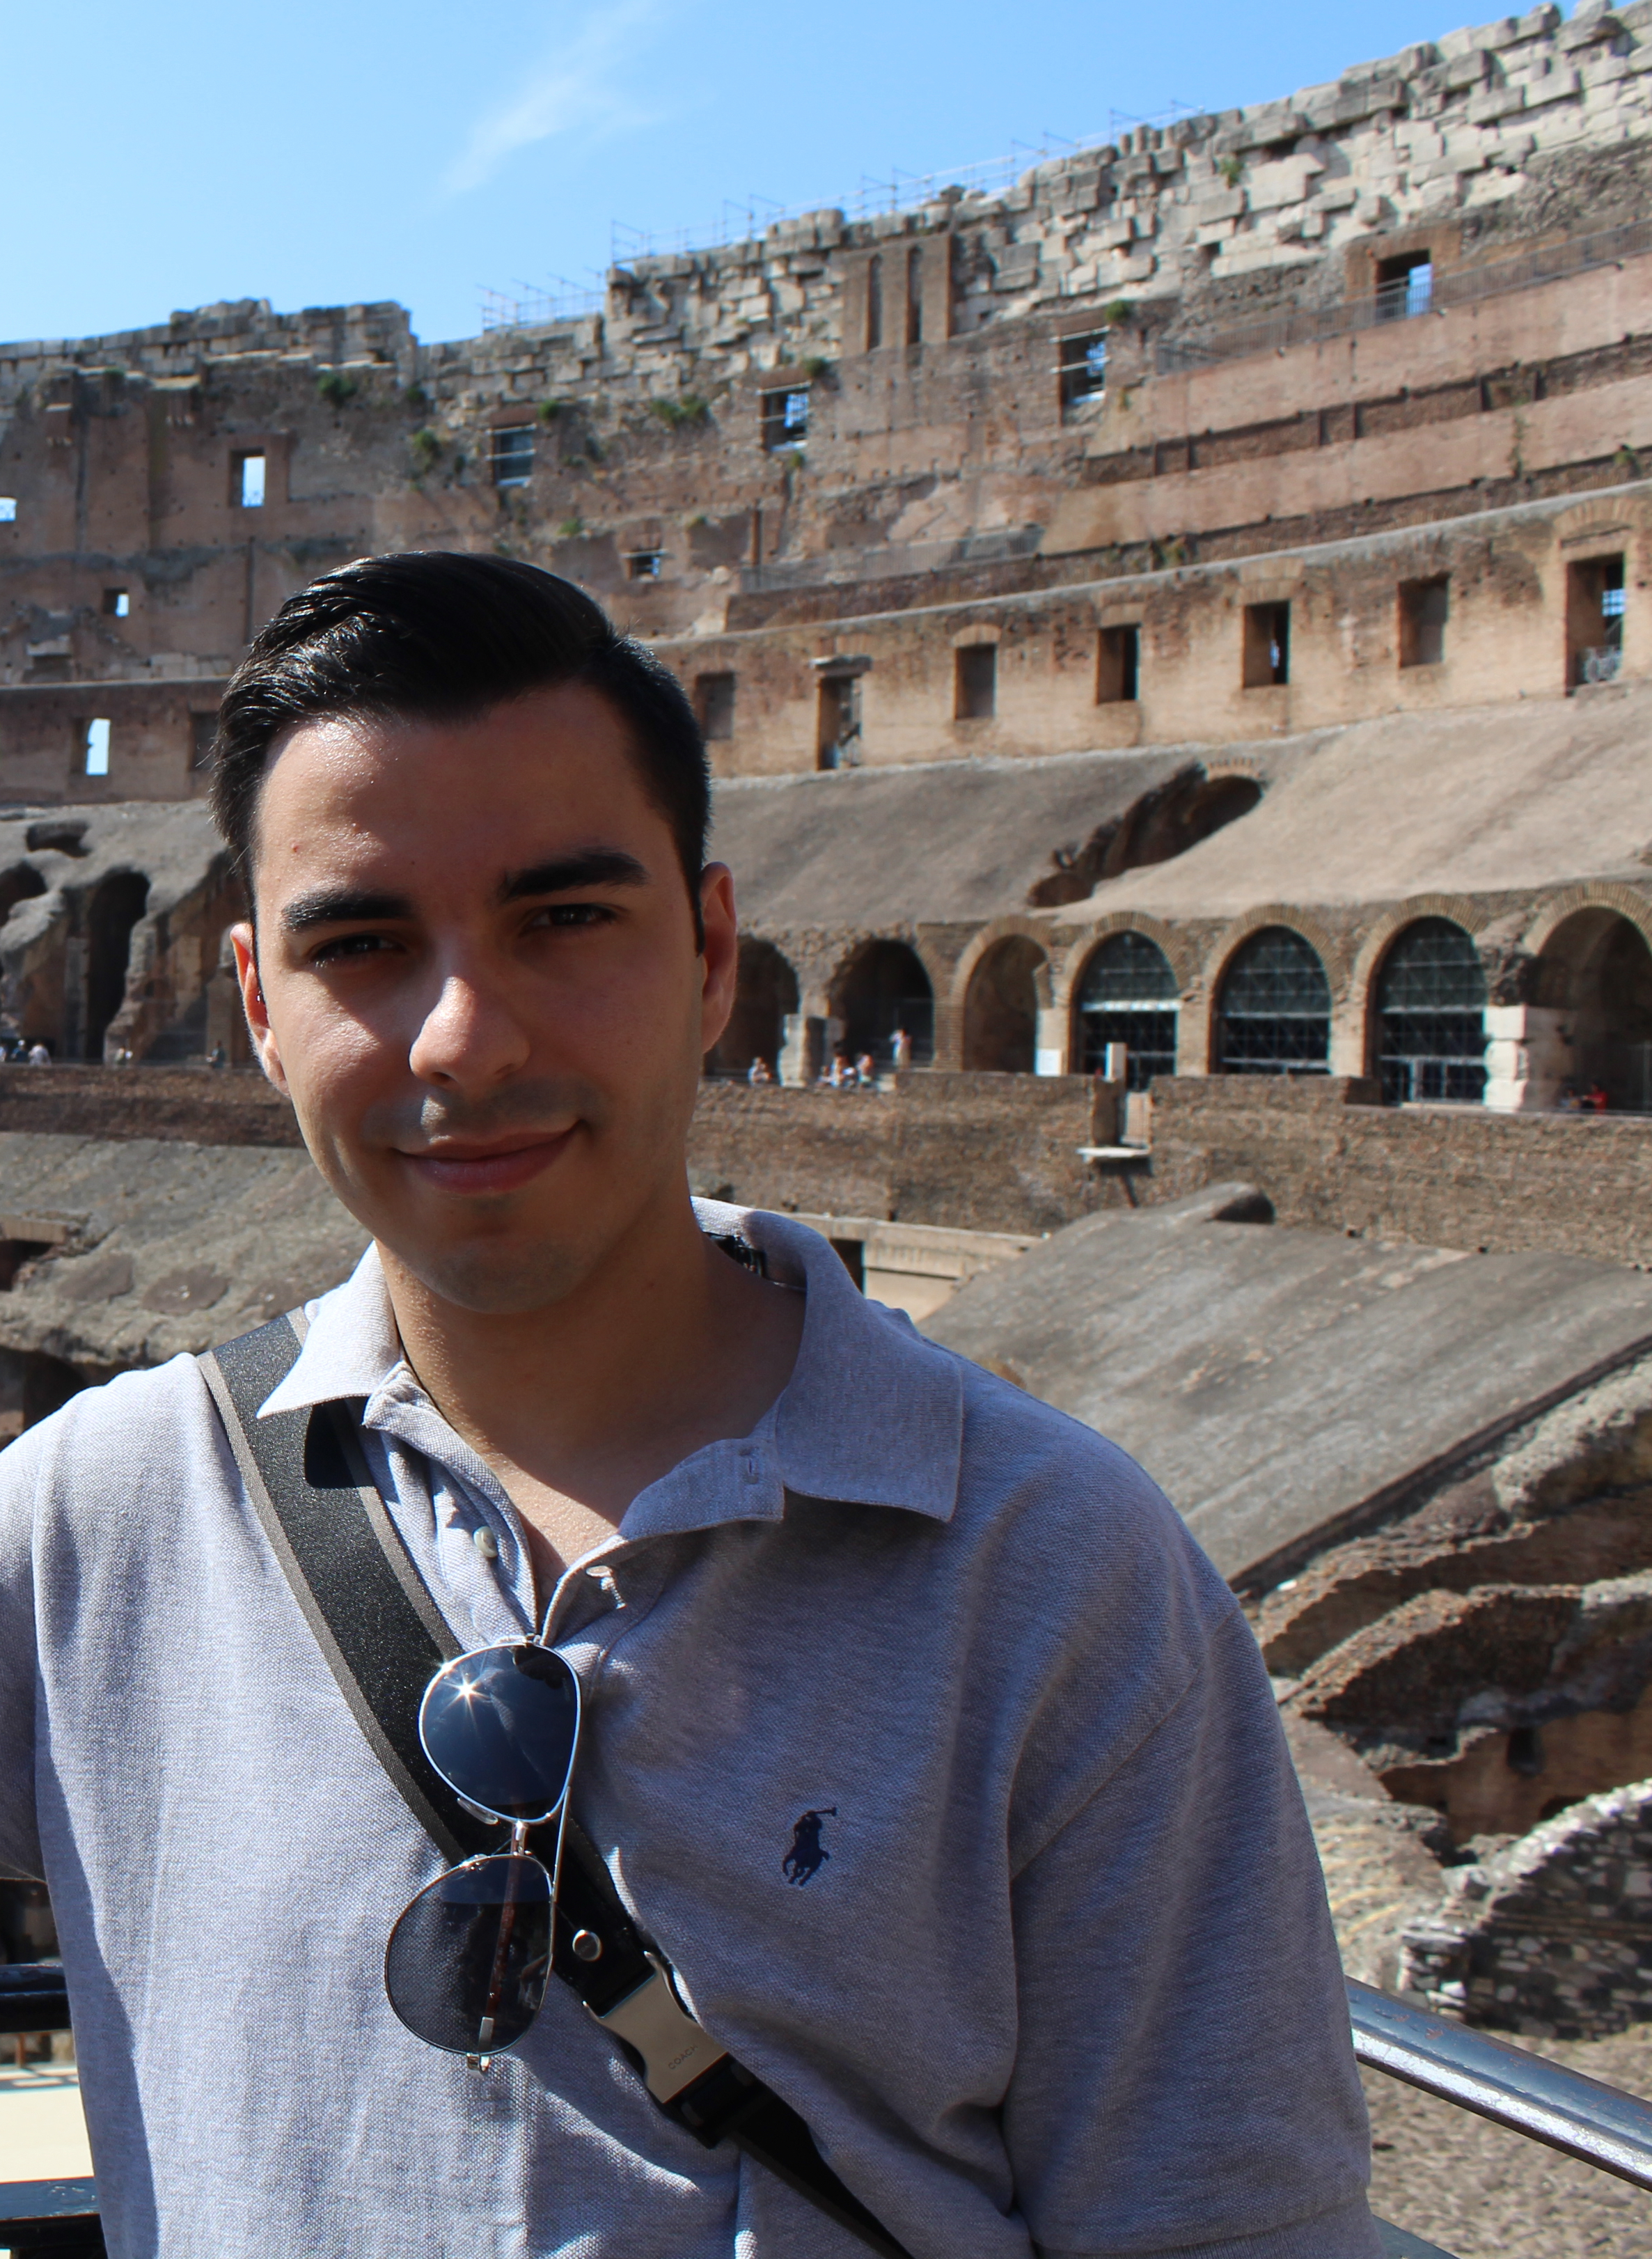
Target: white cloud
{"points": [[571, 93]]}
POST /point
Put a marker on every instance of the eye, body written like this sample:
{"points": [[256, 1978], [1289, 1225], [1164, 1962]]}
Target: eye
{"points": [[351, 945], [569, 918]]}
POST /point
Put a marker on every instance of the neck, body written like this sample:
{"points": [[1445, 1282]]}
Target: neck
{"points": [[664, 1346]]}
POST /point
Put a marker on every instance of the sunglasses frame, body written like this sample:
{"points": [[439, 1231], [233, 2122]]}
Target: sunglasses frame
{"points": [[520, 1830]]}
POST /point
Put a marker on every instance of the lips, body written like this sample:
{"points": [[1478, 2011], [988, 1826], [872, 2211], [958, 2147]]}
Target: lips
{"points": [[504, 1167]]}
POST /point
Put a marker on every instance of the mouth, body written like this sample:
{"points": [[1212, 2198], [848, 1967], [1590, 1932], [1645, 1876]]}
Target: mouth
{"points": [[504, 1165]]}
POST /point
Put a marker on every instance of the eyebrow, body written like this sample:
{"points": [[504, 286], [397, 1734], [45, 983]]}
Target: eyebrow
{"points": [[591, 866]]}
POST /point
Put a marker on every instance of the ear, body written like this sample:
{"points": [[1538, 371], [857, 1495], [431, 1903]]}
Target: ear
{"points": [[721, 956], [244, 940]]}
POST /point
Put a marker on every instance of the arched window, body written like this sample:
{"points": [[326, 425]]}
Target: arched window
{"points": [[1127, 996], [1430, 1016], [883, 992], [1273, 1013], [1597, 969], [1001, 1009], [765, 996]]}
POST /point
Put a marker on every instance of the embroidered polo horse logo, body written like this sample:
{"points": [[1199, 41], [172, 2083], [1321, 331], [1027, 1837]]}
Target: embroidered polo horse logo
{"points": [[808, 1854]]}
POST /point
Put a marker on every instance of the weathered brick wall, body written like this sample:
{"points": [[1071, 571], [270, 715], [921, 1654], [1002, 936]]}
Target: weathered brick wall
{"points": [[1326, 1154], [1553, 1936], [981, 1152], [208, 1108]]}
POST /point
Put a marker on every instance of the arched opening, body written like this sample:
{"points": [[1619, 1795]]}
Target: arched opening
{"points": [[882, 994], [20, 883], [1431, 1016], [116, 907], [1127, 996], [1597, 969], [1273, 1009], [765, 995], [1001, 1009]]}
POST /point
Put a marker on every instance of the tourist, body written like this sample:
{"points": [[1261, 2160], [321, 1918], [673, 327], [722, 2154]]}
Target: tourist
{"points": [[919, 1741], [217, 1057], [867, 1070], [900, 1049], [759, 1071], [38, 1055]]}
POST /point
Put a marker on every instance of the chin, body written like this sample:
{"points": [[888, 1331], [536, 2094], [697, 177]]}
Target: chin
{"points": [[501, 1280]]}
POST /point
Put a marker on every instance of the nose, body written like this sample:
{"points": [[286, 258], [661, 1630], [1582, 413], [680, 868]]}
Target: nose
{"points": [[469, 1039]]}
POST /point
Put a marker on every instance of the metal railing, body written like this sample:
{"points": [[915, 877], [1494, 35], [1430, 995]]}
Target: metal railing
{"points": [[1583, 2118]]}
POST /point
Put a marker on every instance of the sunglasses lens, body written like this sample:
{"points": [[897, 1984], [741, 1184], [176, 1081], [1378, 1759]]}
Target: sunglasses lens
{"points": [[499, 1726], [466, 1965]]}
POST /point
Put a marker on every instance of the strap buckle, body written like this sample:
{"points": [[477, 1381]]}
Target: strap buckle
{"points": [[653, 2022]]}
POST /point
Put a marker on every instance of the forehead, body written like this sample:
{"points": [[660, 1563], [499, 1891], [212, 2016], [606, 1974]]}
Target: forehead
{"points": [[539, 772]]}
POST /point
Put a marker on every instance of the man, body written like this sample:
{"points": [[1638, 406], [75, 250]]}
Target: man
{"points": [[917, 1735]]}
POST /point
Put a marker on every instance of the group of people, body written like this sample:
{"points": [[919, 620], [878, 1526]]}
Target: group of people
{"points": [[17, 1051], [1590, 1101], [845, 1073]]}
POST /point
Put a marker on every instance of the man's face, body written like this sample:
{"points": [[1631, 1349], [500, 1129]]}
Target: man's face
{"points": [[477, 978]]}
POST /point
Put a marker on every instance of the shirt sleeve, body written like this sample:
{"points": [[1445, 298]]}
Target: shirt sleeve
{"points": [[1185, 2075], [19, 1838]]}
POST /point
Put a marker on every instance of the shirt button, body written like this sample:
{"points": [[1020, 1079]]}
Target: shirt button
{"points": [[486, 1543]]}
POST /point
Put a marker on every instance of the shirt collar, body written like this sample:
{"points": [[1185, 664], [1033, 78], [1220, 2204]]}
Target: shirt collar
{"points": [[872, 1415]]}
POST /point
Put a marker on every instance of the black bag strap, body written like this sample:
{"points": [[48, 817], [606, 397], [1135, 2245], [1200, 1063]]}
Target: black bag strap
{"points": [[384, 1638]]}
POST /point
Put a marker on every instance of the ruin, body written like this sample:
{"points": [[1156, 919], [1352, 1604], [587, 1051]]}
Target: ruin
{"points": [[1172, 634]]}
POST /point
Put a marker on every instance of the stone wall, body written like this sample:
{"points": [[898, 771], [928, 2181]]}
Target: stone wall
{"points": [[1552, 1935], [233, 1107], [1328, 1155], [984, 1152]]}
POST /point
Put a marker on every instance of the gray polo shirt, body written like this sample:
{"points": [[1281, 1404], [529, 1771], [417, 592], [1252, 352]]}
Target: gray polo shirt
{"points": [[921, 1736]]}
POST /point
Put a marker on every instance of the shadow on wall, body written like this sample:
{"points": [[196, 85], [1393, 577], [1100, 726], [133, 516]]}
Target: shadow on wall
{"points": [[115, 909], [1161, 824]]}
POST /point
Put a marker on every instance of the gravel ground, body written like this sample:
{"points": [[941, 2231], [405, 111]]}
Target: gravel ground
{"points": [[1479, 2192]]}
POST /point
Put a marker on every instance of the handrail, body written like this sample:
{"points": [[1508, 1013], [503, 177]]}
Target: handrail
{"points": [[1583, 2116]]}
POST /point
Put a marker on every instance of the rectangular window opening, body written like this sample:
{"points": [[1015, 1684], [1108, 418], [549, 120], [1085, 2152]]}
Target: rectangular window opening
{"points": [[975, 682], [1595, 600], [248, 480], [116, 603], [1118, 665], [511, 456], [98, 748], [1424, 608], [643, 564], [1083, 367], [8, 510], [714, 702], [914, 296], [838, 735], [785, 418], [204, 728], [1267, 653], [1405, 286]]}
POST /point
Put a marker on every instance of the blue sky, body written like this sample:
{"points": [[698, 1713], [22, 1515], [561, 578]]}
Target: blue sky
{"points": [[168, 153]]}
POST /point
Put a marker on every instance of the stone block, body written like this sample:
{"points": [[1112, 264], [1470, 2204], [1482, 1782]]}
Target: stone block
{"points": [[1559, 86], [1215, 231], [1467, 70], [1498, 102], [1226, 205]]}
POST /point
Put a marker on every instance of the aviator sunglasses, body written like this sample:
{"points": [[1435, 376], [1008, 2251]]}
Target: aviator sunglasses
{"points": [[468, 1960]]}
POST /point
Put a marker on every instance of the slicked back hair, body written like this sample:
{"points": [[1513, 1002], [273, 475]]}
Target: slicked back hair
{"points": [[441, 636]]}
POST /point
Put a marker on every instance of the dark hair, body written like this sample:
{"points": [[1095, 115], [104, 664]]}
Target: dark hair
{"points": [[439, 635]]}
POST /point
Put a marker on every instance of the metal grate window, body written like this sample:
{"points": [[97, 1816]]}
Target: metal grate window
{"points": [[1273, 1015], [1083, 368], [512, 455], [785, 418], [1430, 1008], [1127, 996]]}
